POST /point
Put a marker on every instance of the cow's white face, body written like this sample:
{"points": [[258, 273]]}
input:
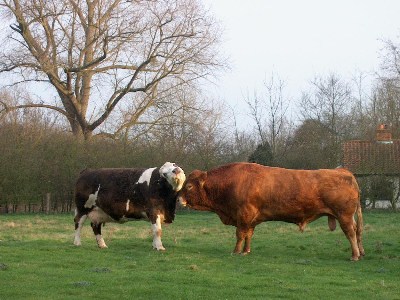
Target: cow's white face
{"points": [[174, 175]]}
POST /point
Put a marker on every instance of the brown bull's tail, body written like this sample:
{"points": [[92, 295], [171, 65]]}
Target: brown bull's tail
{"points": [[360, 221], [359, 229]]}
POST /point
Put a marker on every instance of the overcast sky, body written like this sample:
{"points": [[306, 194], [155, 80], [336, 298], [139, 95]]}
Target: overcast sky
{"points": [[298, 40]]}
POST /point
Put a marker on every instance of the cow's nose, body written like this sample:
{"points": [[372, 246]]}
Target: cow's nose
{"points": [[177, 170], [182, 201]]}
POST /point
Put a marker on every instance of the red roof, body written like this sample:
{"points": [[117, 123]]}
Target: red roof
{"points": [[372, 157]]}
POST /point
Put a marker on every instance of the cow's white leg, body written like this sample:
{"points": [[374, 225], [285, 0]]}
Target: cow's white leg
{"points": [[78, 227], [100, 241], [97, 232], [157, 231]]}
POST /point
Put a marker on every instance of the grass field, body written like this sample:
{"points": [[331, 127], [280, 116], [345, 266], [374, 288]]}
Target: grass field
{"points": [[39, 261]]}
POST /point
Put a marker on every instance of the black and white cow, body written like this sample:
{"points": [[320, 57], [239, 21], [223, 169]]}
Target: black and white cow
{"points": [[126, 194]]}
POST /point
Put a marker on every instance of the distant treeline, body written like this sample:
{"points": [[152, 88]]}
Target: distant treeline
{"points": [[38, 163], [40, 159]]}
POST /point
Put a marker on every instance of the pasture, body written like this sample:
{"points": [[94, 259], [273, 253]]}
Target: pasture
{"points": [[39, 261]]}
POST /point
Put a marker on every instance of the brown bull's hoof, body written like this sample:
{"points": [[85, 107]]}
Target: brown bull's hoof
{"points": [[354, 258]]}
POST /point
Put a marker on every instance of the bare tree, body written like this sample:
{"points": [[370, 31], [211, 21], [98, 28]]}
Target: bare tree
{"points": [[390, 63], [329, 103], [385, 105], [191, 132], [242, 142], [99, 55], [360, 125], [269, 113]]}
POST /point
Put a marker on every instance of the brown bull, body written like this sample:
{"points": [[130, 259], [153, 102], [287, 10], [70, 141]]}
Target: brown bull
{"points": [[246, 194]]}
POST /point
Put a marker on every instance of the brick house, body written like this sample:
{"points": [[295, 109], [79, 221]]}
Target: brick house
{"points": [[374, 160]]}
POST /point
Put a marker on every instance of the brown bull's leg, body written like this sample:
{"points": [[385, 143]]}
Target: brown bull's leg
{"points": [[348, 226], [243, 234], [247, 241], [360, 245], [359, 230], [240, 236]]}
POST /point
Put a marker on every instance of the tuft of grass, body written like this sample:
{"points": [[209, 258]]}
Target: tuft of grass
{"points": [[39, 261]]}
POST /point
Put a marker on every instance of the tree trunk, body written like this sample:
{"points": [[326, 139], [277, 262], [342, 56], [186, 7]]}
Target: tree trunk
{"points": [[48, 203]]}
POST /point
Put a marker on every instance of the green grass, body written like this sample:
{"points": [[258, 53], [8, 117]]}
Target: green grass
{"points": [[39, 261]]}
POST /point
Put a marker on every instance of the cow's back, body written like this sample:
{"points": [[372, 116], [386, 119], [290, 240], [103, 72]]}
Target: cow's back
{"points": [[108, 179], [108, 187]]}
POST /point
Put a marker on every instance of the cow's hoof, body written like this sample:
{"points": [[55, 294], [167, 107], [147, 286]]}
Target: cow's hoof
{"points": [[77, 244], [354, 259], [159, 248]]}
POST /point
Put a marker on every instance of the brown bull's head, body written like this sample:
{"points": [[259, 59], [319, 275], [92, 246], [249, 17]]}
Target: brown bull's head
{"points": [[193, 193]]}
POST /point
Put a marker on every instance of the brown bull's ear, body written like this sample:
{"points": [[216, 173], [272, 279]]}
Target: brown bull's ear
{"points": [[202, 179], [202, 183], [199, 176]]}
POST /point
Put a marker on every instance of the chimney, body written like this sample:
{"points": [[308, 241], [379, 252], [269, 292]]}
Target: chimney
{"points": [[383, 133]]}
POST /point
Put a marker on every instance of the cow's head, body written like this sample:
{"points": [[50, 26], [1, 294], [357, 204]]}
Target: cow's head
{"points": [[193, 193], [173, 174]]}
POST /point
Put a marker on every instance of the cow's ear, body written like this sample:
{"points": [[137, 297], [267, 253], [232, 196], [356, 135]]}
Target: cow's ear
{"points": [[202, 183], [202, 179]]}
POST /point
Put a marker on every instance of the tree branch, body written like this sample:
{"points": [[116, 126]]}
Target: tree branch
{"points": [[6, 108], [92, 63]]}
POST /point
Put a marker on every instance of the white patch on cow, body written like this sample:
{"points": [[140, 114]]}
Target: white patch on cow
{"points": [[77, 239], [100, 241], [174, 175], [97, 215], [146, 176], [91, 201], [156, 228], [127, 205]]}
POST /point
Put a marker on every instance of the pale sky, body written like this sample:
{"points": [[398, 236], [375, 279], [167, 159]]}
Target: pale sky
{"points": [[297, 40]]}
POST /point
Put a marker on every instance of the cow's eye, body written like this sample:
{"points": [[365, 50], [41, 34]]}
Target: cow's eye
{"points": [[189, 187]]}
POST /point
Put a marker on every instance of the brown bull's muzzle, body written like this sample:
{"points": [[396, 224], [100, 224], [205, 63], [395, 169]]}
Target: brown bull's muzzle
{"points": [[182, 201]]}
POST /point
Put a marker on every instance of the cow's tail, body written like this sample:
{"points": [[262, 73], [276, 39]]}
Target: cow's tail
{"points": [[359, 228]]}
